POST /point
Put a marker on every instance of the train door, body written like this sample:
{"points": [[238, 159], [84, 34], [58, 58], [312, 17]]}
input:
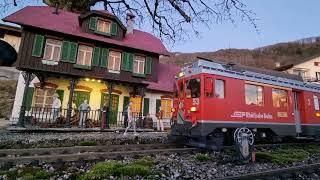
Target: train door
{"points": [[297, 114]]}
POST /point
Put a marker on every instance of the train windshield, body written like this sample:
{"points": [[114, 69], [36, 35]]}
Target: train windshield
{"points": [[193, 87]]}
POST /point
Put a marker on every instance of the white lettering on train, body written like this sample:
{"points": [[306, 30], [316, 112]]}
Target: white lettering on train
{"points": [[241, 114]]}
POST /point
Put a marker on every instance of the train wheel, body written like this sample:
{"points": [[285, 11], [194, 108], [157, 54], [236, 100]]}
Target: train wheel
{"points": [[244, 139]]}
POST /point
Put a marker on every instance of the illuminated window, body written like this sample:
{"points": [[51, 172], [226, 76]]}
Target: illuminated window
{"points": [[52, 50], [166, 105], [138, 64], [104, 26], [114, 61], [84, 55], [254, 94], [219, 88], [279, 98], [136, 104], [43, 97]]}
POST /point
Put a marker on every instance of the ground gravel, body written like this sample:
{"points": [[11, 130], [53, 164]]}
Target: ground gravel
{"points": [[32, 140]]}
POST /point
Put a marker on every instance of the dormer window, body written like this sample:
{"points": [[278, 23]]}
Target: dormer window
{"points": [[103, 26]]}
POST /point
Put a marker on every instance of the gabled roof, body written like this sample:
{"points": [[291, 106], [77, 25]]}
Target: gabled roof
{"points": [[300, 61], [166, 78], [67, 22]]}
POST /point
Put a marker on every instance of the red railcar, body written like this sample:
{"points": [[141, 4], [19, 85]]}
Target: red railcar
{"points": [[212, 99]]}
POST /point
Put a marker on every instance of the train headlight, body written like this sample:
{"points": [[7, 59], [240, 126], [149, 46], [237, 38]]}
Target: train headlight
{"points": [[173, 110], [193, 109], [318, 114], [181, 74]]}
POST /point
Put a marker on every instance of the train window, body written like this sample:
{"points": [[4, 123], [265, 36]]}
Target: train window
{"points": [[219, 90], [208, 87], [193, 88], [279, 98], [316, 102], [254, 94]]}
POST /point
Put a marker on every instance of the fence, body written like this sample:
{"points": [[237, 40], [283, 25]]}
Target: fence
{"points": [[50, 117]]}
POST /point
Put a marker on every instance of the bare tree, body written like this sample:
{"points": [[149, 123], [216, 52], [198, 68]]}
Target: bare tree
{"points": [[171, 20]]}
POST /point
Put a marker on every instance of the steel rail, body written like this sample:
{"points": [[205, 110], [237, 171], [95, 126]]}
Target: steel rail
{"points": [[87, 153]]}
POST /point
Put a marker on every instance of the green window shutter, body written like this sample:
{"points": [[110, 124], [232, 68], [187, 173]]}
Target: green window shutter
{"points": [[148, 65], [130, 62], [104, 57], [73, 52], [158, 104], [114, 29], [124, 62], [28, 98], [60, 92], [126, 101], [38, 46], [96, 56], [93, 23], [65, 51], [146, 106]]}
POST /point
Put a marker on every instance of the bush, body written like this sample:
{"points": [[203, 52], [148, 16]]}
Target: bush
{"points": [[283, 156], [202, 157], [88, 143]]}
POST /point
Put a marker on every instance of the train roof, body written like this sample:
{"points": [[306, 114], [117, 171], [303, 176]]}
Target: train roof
{"points": [[238, 71]]}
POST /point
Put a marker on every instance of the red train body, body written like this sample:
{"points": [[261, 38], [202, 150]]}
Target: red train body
{"points": [[212, 99]]}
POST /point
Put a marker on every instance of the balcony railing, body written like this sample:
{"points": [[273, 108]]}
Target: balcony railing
{"points": [[49, 117]]}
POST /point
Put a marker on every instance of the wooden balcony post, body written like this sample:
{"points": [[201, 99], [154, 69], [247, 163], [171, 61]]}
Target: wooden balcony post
{"points": [[142, 94], [73, 83], [110, 89], [28, 77]]}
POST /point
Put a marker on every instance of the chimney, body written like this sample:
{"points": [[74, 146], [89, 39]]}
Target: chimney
{"points": [[130, 23]]}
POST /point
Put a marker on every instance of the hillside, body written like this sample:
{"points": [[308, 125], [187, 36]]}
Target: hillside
{"points": [[264, 57]]}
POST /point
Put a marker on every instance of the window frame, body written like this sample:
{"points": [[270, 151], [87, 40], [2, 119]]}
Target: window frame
{"points": [[104, 22], [215, 88], [85, 54], [139, 61], [257, 94], [53, 50], [287, 97], [45, 96], [113, 70], [316, 103]]}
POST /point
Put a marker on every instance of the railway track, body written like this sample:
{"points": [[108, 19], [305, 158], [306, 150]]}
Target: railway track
{"points": [[282, 173], [70, 154]]}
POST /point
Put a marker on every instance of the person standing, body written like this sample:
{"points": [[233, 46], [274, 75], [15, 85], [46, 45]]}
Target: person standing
{"points": [[160, 120], [105, 113], [84, 108], [131, 121], [56, 105]]}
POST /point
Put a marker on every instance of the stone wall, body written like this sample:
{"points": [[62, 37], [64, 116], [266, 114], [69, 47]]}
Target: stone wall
{"points": [[7, 93]]}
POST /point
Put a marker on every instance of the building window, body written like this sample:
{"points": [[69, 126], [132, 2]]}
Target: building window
{"points": [[279, 98], [316, 103], [219, 90], [114, 61], [104, 26], [166, 105], [84, 55], [136, 105], [43, 97], [254, 94], [52, 50], [304, 73], [138, 64]]}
